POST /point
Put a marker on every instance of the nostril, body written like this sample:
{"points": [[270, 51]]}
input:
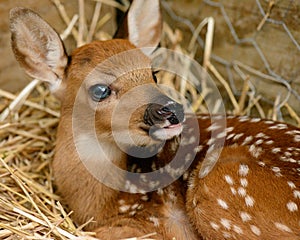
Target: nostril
{"points": [[165, 110], [173, 119], [177, 110], [173, 112], [156, 113]]}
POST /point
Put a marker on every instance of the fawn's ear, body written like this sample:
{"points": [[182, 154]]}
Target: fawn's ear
{"points": [[37, 47], [142, 24]]}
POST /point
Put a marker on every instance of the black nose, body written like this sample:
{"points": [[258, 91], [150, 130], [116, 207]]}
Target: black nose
{"points": [[156, 113]]}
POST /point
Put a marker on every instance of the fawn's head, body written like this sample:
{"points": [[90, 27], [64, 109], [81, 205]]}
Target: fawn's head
{"points": [[108, 82]]}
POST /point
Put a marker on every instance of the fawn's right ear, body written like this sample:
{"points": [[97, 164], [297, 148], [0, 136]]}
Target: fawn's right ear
{"points": [[37, 47], [142, 25]]}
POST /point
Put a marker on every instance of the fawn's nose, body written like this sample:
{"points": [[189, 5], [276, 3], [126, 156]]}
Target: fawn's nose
{"points": [[157, 114]]}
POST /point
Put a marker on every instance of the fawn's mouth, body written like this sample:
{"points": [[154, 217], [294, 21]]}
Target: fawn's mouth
{"points": [[164, 131]]}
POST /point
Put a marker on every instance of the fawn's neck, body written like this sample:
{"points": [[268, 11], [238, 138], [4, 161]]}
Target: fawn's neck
{"points": [[78, 187]]}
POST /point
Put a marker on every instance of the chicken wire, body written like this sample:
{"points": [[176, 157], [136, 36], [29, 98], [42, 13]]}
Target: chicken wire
{"points": [[255, 40]]}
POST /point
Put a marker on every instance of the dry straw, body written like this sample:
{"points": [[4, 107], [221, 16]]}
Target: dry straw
{"points": [[30, 209]]}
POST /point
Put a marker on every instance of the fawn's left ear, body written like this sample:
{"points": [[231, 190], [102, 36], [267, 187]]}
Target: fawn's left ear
{"points": [[37, 47], [142, 25]]}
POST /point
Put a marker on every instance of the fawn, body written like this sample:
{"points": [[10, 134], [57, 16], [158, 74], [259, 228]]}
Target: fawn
{"points": [[249, 189]]}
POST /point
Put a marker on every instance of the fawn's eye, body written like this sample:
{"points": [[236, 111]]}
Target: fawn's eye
{"points": [[99, 92]]}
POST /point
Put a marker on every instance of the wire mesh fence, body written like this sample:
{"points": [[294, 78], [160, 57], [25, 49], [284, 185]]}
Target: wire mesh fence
{"points": [[257, 41]]}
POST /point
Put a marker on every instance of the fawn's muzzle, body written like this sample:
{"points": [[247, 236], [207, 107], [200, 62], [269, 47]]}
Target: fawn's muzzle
{"points": [[158, 114]]}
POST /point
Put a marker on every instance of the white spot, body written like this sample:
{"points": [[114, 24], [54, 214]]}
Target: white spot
{"points": [[186, 176], [229, 180], [226, 234], [172, 196], [124, 208], [135, 206], [140, 206], [252, 148], [275, 150], [254, 120], [261, 135], [245, 216], [255, 230], [293, 132], [191, 130], [160, 192], [192, 140], [226, 223], [211, 148], [243, 170], [237, 229], [204, 117], [268, 122], [262, 164], [269, 142], [242, 192], [233, 191], [292, 160], [213, 127], [237, 136], [244, 119], [259, 141], [188, 157], [255, 151], [292, 206], [230, 136], [221, 135], [198, 149], [275, 169], [154, 220], [279, 126], [297, 138], [131, 187], [132, 213], [214, 226], [247, 140], [145, 198], [210, 141], [244, 182], [296, 193], [249, 201], [291, 184], [282, 227], [287, 154], [222, 203], [229, 129], [121, 201], [282, 126]]}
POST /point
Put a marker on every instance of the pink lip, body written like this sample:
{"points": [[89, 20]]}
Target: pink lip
{"points": [[174, 126]]}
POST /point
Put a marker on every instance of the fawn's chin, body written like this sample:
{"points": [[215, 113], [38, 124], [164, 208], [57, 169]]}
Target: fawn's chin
{"points": [[167, 132]]}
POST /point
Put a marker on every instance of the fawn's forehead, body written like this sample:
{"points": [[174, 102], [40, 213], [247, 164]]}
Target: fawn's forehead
{"points": [[108, 60]]}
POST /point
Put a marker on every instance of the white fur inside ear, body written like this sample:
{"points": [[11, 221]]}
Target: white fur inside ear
{"points": [[144, 23], [53, 54], [37, 47]]}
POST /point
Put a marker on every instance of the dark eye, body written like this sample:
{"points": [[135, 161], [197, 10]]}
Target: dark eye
{"points": [[99, 92], [154, 75]]}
